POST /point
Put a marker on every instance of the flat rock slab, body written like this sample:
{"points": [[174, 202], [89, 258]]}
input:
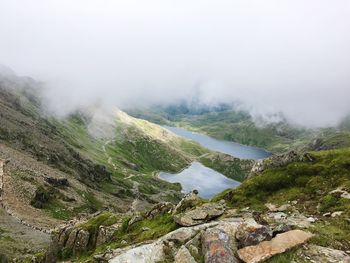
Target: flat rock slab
{"points": [[318, 254], [277, 245]]}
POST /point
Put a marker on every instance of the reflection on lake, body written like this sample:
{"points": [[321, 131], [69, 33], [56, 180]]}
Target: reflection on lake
{"points": [[231, 148], [207, 181]]}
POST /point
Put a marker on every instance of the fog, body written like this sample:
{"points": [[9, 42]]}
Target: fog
{"points": [[289, 56]]}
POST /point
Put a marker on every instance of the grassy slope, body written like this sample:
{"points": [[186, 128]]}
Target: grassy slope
{"points": [[309, 183]]}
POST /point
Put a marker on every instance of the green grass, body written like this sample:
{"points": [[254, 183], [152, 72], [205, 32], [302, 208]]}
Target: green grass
{"points": [[309, 183]]}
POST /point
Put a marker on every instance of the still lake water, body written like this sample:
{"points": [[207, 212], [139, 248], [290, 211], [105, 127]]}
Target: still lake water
{"points": [[207, 181], [231, 148]]}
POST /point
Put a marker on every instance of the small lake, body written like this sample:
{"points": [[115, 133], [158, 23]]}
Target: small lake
{"points": [[207, 181], [231, 148]]}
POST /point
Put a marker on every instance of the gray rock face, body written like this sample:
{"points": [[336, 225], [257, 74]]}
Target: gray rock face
{"points": [[200, 214], [216, 247], [81, 241], [249, 235]]}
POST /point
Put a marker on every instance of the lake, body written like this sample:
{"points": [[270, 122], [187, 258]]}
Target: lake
{"points": [[207, 181], [231, 148]]}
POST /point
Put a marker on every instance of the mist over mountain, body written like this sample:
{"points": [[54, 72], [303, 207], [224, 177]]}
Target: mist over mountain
{"points": [[287, 57]]}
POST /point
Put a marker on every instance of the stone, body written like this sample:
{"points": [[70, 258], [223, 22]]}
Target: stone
{"points": [[81, 241], [57, 181], [341, 193], [134, 219], [279, 244], [184, 256], [189, 201], [182, 235], [105, 234], [311, 219], [200, 214], [281, 228], [123, 242], [327, 214], [273, 208], [248, 235], [216, 247], [324, 254], [159, 209], [337, 213]]}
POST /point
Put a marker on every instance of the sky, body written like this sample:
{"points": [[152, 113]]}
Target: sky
{"points": [[289, 56]]}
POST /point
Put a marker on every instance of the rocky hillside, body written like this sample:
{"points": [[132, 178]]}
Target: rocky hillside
{"points": [[293, 208], [198, 231], [91, 160]]}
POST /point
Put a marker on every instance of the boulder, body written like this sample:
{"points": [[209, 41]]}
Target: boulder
{"points": [[189, 201], [216, 247], [200, 214], [249, 235], [182, 235], [184, 256], [337, 213], [281, 228], [324, 254], [279, 244]]}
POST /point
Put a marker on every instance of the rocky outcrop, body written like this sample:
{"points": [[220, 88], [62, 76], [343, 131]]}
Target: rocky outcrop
{"points": [[184, 256], [189, 201], [279, 160], [200, 214], [279, 244]]}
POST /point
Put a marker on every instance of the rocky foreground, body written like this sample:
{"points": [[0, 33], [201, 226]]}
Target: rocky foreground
{"points": [[204, 232]]}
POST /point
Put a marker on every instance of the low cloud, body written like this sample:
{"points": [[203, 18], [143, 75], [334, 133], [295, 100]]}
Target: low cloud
{"points": [[274, 56]]}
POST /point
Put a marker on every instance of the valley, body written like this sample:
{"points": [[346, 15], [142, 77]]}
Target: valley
{"points": [[101, 185]]}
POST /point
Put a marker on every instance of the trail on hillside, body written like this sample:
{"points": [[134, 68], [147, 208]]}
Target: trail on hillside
{"points": [[135, 188]]}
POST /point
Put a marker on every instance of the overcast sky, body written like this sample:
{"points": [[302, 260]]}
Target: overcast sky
{"points": [[284, 55]]}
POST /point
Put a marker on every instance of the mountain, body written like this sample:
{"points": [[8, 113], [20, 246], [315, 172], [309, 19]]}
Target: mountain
{"points": [[91, 160]]}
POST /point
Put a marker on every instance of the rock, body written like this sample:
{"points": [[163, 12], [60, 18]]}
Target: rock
{"points": [[123, 242], [184, 256], [281, 228], [134, 219], [311, 219], [182, 235], [71, 239], [248, 235], [337, 213], [296, 219], [279, 244], [189, 201], [324, 254], [273, 208], [216, 247], [159, 209], [145, 229], [200, 214], [341, 193], [105, 234], [81, 241], [327, 214], [57, 181]]}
